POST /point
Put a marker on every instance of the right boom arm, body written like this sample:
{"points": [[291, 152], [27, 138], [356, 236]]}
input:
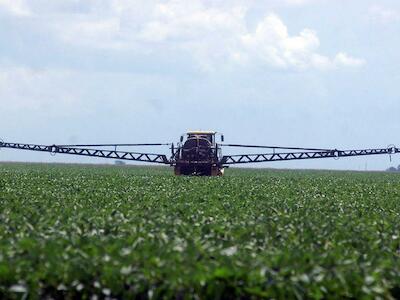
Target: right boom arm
{"points": [[307, 153]]}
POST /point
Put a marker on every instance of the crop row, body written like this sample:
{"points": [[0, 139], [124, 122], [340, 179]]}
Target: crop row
{"points": [[72, 231]]}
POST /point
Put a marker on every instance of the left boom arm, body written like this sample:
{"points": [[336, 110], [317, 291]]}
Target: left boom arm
{"points": [[85, 150]]}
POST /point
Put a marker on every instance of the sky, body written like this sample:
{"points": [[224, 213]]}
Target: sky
{"points": [[306, 73]]}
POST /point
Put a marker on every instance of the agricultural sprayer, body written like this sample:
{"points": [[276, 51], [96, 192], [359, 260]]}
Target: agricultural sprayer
{"points": [[199, 153]]}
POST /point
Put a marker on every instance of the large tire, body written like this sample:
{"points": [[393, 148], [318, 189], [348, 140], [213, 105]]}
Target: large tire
{"points": [[216, 171], [177, 170]]}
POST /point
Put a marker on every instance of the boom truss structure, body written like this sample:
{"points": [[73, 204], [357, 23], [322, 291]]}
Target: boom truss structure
{"points": [[216, 159], [103, 153], [307, 153]]}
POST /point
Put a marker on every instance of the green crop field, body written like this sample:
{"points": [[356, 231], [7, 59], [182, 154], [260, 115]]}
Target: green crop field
{"points": [[128, 232]]}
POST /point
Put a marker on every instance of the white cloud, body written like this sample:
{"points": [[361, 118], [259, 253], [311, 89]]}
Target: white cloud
{"points": [[213, 33], [343, 59], [15, 7], [272, 44], [95, 32], [299, 2], [382, 14], [177, 20], [33, 89], [72, 93]]}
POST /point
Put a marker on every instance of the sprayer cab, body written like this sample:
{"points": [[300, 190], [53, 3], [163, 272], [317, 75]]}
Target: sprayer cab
{"points": [[198, 155]]}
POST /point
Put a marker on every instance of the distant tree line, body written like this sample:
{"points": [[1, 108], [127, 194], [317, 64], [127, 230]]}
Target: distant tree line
{"points": [[122, 163], [394, 169]]}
